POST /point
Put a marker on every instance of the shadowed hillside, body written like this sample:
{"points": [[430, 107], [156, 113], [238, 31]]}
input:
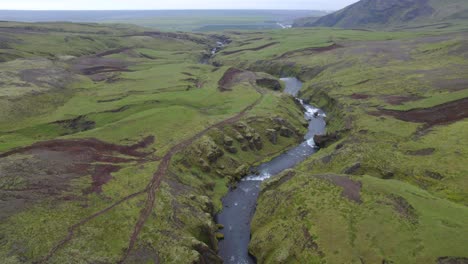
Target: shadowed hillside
{"points": [[380, 13]]}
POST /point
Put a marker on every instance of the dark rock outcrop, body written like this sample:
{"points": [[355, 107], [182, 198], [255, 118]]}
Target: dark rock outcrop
{"points": [[239, 138], [214, 154], [272, 135], [231, 149], [434, 175], [353, 169], [286, 132], [241, 171], [207, 149], [257, 141], [205, 167], [272, 84], [452, 260], [228, 141], [322, 141], [422, 152], [206, 254], [245, 147]]}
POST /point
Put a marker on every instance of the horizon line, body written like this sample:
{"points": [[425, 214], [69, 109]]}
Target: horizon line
{"points": [[192, 9]]}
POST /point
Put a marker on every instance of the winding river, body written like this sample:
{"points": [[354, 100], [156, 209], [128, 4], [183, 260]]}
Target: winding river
{"points": [[239, 204]]}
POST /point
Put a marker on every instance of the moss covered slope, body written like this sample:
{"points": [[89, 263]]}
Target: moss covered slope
{"points": [[116, 143], [396, 107]]}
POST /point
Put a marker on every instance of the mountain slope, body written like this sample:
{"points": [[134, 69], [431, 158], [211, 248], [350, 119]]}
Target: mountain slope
{"points": [[379, 13]]}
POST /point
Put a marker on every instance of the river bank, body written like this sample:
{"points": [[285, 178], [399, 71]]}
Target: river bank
{"points": [[239, 204]]}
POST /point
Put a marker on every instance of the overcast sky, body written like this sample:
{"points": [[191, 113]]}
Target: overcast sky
{"points": [[172, 4]]}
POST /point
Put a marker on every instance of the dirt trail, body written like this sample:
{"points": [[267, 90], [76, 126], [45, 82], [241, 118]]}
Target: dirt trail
{"points": [[85, 152], [151, 187], [71, 230], [163, 167]]}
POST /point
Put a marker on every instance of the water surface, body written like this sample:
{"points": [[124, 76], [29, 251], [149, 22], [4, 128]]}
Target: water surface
{"points": [[239, 204]]}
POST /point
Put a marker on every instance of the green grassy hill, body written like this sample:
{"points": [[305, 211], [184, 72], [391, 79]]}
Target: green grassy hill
{"points": [[392, 188], [393, 13], [117, 144]]}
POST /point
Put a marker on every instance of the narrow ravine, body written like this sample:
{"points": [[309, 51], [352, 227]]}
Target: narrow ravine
{"points": [[239, 204]]}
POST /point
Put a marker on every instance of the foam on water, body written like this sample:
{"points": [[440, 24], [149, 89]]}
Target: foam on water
{"points": [[262, 177], [239, 204]]}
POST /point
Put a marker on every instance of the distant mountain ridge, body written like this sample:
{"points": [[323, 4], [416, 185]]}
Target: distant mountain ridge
{"points": [[377, 13]]}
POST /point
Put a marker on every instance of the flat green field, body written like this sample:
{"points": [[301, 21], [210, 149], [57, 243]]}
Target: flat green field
{"points": [[171, 20], [202, 23]]}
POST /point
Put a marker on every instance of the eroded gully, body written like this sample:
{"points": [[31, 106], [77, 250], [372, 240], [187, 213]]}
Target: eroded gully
{"points": [[240, 203]]}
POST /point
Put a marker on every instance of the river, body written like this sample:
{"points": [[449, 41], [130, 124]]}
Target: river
{"points": [[239, 204]]}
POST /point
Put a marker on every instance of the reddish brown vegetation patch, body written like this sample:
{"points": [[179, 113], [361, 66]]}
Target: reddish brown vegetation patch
{"points": [[310, 242], [194, 83], [452, 260], [75, 125], [102, 69], [358, 96], [351, 189], [46, 169], [421, 152], [4, 42], [227, 80], [452, 84], [47, 77], [111, 52], [399, 99], [310, 50], [93, 147], [250, 49], [99, 65], [77, 158], [438, 26], [254, 39], [441, 114], [363, 82], [187, 73], [404, 209], [100, 176]]}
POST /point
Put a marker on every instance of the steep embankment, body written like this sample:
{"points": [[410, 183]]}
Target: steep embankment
{"points": [[391, 13]]}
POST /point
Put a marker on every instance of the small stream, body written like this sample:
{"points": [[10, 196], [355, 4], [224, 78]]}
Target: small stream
{"points": [[219, 46], [240, 203]]}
